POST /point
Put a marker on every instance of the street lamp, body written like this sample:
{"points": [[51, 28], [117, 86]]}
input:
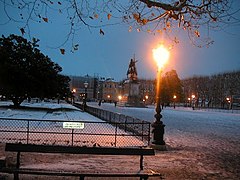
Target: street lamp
{"points": [[193, 101], [85, 95], [145, 99], [73, 95], [229, 102], [161, 56], [174, 100], [189, 102], [108, 96], [119, 97]]}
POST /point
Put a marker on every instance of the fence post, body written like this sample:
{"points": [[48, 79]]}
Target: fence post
{"points": [[133, 122], [110, 118], [72, 136], [27, 131], [149, 133], [116, 136], [125, 123]]}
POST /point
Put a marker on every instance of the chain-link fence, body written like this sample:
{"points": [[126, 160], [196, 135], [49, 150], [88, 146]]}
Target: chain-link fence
{"points": [[136, 126], [75, 133]]}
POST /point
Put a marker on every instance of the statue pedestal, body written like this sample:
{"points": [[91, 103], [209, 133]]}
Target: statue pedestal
{"points": [[133, 99]]}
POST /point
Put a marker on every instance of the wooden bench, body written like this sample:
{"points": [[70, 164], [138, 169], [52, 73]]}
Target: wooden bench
{"points": [[76, 150]]}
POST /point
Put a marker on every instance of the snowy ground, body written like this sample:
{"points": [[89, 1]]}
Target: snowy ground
{"points": [[50, 117], [201, 145]]}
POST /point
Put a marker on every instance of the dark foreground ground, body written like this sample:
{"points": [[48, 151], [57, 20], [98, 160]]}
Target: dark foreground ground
{"points": [[198, 161]]}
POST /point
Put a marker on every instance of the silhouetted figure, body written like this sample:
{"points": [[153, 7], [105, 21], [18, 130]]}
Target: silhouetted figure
{"points": [[100, 102]]}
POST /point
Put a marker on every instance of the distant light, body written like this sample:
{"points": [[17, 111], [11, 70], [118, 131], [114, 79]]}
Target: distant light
{"points": [[119, 97], [85, 84]]}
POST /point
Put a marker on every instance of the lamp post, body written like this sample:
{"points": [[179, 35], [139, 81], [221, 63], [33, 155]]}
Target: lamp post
{"points": [[146, 99], [174, 100], [229, 102], [108, 96], [161, 56], [85, 95], [193, 101], [73, 95], [189, 102]]}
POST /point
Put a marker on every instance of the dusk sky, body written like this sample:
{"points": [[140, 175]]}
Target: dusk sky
{"points": [[108, 55]]}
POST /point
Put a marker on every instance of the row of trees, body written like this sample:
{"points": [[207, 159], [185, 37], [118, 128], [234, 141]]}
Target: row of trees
{"points": [[216, 91], [213, 91], [26, 72]]}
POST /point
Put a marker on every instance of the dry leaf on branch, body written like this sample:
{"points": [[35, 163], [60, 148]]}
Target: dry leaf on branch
{"points": [[101, 32], [45, 19], [62, 51]]}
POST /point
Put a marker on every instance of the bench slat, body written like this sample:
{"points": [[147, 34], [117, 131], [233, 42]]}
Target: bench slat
{"points": [[64, 173], [78, 150]]}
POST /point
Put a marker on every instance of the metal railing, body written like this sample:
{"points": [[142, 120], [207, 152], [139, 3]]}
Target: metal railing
{"points": [[136, 126], [75, 133]]}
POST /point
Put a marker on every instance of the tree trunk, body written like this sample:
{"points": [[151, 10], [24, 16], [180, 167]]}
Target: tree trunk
{"points": [[17, 101]]}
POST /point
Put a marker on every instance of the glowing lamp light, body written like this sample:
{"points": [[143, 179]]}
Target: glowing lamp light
{"points": [[160, 55], [119, 97], [228, 100]]}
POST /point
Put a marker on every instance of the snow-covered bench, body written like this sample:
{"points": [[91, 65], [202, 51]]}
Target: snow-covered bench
{"points": [[76, 150]]}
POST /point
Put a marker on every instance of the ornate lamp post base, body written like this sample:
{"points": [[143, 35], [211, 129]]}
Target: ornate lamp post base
{"points": [[158, 147], [158, 131]]}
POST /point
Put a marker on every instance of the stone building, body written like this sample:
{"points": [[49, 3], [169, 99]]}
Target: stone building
{"points": [[110, 90], [78, 88]]}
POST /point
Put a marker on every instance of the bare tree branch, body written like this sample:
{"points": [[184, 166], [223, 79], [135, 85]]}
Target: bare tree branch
{"points": [[152, 16]]}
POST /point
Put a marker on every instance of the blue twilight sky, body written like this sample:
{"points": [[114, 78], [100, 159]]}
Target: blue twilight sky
{"points": [[109, 55]]}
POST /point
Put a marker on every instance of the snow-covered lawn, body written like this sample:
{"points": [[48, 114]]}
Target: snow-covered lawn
{"points": [[46, 126]]}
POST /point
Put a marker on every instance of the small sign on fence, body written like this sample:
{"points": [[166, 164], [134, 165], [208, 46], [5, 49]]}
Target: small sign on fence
{"points": [[73, 125]]}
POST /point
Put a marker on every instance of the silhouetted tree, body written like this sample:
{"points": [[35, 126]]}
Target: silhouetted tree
{"points": [[26, 72], [170, 86]]}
